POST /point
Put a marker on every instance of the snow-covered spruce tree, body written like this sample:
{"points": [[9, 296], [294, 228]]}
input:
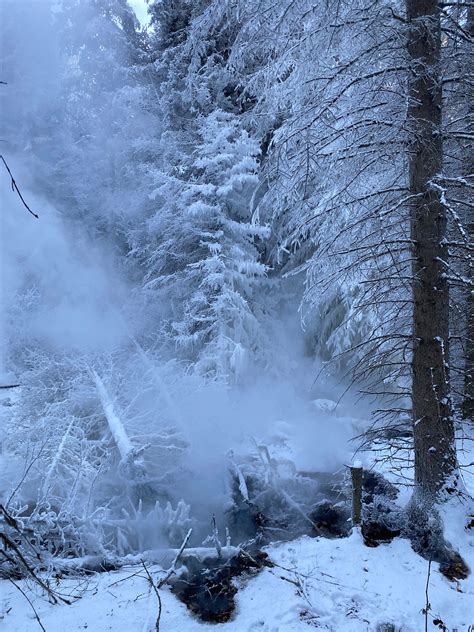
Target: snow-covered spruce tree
{"points": [[200, 245], [103, 134], [209, 265], [220, 315]]}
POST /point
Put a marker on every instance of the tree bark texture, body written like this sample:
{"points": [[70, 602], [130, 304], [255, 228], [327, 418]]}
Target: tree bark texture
{"points": [[435, 456], [468, 399]]}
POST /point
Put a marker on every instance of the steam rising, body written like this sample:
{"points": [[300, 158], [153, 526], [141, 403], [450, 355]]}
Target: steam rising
{"points": [[64, 287]]}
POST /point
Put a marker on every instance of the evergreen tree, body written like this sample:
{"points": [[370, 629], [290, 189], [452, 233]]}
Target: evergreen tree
{"points": [[200, 245]]}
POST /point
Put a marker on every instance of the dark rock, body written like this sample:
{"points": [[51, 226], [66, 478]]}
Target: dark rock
{"points": [[374, 484], [245, 521], [331, 521], [375, 533], [382, 521]]}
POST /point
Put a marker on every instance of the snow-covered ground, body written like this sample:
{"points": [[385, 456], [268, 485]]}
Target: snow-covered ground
{"points": [[338, 585]]}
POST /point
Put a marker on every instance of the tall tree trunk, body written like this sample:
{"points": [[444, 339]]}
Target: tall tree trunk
{"points": [[435, 455], [468, 400]]}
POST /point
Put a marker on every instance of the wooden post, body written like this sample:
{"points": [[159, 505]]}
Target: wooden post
{"points": [[356, 476]]}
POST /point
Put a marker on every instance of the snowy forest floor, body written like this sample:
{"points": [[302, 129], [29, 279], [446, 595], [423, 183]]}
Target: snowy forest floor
{"points": [[339, 585], [315, 583]]}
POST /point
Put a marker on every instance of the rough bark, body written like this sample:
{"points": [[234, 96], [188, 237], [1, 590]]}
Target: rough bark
{"points": [[468, 396], [435, 456], [468, 399]]}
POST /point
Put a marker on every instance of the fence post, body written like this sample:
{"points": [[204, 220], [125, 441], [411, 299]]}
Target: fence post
{"points": [[357, 472]]}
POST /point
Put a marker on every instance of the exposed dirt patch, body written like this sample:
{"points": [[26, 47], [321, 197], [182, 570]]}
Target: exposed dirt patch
{"points": [[331, 520], [207, 586]]}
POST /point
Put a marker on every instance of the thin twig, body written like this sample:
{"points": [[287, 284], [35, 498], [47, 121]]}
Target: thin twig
{"points": [[15, 188], [215, 537], [155, 588], [30, 602], [427, 600], [172, 568]]}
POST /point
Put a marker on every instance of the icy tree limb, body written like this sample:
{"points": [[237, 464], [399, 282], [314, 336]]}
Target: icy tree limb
{"points": [[171, 571], [12, 553], [172, 568], [215, 537], [243, 489], [292, 503], [119, 434], [160, 384], [133, 466], [273, 479], [56, 460]]}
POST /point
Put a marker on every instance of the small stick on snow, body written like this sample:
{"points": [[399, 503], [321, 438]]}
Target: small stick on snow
{"points": [[427, 607], [172, 568], [36, 615], [152, 584], [163, 581]]}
